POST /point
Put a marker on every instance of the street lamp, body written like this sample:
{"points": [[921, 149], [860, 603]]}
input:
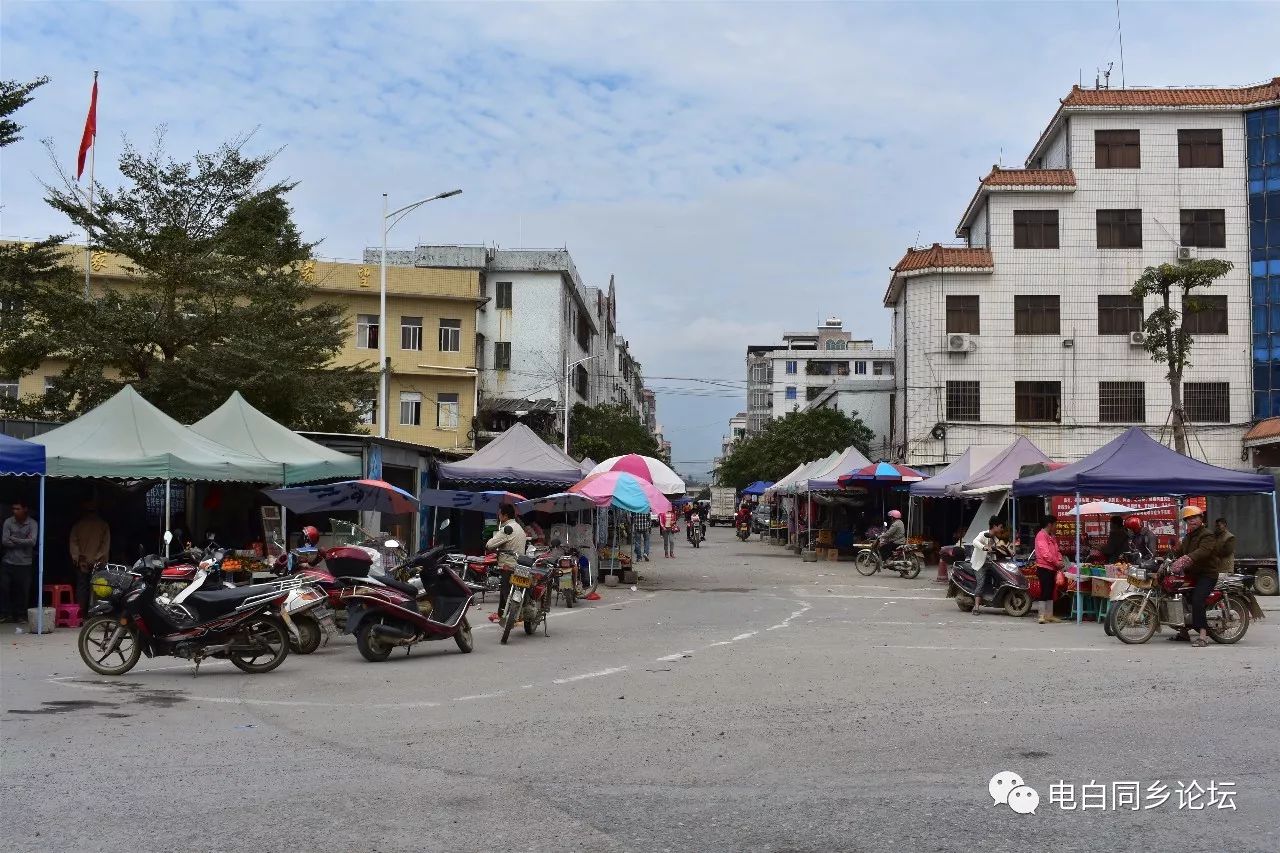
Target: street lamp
{"points": [[568, 371], [397, 215]]}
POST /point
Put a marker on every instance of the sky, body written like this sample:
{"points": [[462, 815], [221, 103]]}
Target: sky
{"points": [[742, 169]]}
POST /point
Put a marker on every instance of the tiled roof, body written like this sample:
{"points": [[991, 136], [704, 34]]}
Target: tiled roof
{"points": [[938, 256], [1236, 97], [1264, 430], [1029, 178]]}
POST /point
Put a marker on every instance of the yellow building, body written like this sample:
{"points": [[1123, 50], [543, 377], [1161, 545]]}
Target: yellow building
{"points": [[431, 314]]}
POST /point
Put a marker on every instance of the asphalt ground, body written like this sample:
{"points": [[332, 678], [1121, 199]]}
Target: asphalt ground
{"points": [[736, 700]]}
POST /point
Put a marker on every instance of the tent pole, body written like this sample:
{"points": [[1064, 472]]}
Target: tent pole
{"points": [[1079, 564], [166, 516], [1275, 524], [40, 532]]}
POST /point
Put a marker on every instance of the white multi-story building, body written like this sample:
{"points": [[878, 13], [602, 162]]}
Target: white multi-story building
{"points": [[1029, 327], [872, 401], [786, 377]]}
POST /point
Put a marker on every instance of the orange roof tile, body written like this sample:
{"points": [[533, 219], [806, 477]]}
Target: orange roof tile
{"points": [[1241, 96], [938, 256], [1029, 178], [1263, 430]]}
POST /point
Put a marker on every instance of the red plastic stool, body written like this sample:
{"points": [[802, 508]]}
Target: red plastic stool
{"points": [[67, 616], [60, 593]]}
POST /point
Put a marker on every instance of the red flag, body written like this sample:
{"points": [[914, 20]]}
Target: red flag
{"points": [[90, 128]]}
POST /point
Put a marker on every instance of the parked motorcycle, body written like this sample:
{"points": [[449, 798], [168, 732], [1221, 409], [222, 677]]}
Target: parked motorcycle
{"points": [[384, 613], [1004, 586], [906, 560], [479, 573], [314, 622], [1160, 597], [243, 625], [533, 581]]}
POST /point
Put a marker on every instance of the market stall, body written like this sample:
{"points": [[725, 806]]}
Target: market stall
{"points": [[1136, 465], [20, 458], [833, 529]]}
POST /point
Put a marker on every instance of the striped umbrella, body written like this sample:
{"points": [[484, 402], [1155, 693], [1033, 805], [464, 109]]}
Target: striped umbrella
{"points": [[882, 472]]}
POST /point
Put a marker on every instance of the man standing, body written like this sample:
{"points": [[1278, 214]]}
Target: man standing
{"points": [[640, 534], [669, 524], [509, 544], [1226, 547], [18, 536], [90, 546]]}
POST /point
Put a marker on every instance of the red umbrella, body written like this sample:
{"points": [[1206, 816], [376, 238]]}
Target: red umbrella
{"points": [[882, 472]]}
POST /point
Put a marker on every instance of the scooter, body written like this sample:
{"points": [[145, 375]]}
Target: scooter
{"points": [[744, 531], [1005, 585]]}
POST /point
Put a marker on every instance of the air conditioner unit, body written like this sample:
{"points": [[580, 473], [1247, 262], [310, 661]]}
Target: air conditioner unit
{"points": [[960, 343], [1137, 339], [1186, 253]]}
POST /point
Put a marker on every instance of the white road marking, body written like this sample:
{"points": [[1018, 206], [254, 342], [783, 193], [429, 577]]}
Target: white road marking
{"points": [[676, 656], [613, 670], [996, 648], [480, 696], [744, 636]]}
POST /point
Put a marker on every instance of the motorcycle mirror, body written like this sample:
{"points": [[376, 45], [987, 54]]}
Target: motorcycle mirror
{"points": [[168, 536], [209, 536], [444, 524], [391, 543]]}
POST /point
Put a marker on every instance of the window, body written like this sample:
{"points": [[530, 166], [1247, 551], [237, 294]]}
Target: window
{"points": [[963, 401], [1207, 402], [501, 355], [450, 336], [811, 393], [1116, 149], [883, 368], [1035, 229], [791, 367], [1119, 315], [367, 331], [410, 408], [1122, 403], [411, 333], [1204, 315], [1119, 229], [503, 299], [581, 382], [758, 373], [1037, 401], [1035, 315], [48, 383], [860, 368], [1204, 228], [369, 413], [9, 387], [446, 411], [962, 315], [837, 345], [791, 392], [1200, 149], [584, 332], [761, 399]]}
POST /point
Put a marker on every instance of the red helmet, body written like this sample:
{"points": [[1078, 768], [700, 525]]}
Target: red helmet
{"points": [[310, 535], [1133, 523]]}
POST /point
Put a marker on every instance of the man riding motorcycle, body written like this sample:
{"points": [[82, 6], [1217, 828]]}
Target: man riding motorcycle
{"points": [[894, 537], [509, 544]]}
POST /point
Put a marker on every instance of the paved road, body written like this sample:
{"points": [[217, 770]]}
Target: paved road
{"points": [[737, 700]]}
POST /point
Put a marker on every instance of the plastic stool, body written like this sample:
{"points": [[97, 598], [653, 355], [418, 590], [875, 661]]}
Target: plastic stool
{"points": [[60, 593], [67, 616]]}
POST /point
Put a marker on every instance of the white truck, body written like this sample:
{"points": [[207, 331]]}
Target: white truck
{"points": [[724, 502]]}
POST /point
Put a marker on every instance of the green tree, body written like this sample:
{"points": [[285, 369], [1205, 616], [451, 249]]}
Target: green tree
{"points": [[215, 300], [792, 440], [609, 430], [13, 97], [1165, 331]]}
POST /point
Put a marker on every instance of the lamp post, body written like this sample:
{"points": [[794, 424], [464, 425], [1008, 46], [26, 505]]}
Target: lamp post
{"points": [[568, 371], [397, 215]]}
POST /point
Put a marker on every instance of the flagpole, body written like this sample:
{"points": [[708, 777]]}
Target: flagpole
{"points": [[93, 148]]}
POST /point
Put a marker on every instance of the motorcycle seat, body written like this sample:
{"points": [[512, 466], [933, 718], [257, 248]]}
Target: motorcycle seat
{"points": [[407, 589], [216, 602], [526, 560]]}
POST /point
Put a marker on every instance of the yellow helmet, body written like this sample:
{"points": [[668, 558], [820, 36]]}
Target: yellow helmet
{"points": [[1191, 512]]}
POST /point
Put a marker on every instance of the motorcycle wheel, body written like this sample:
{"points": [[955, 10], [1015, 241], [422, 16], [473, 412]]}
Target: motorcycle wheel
{"points": [[509, 622], [1109, 624], [370, 646], [914, 565], [1017, 603], [866, 563], [1134, 621], [463, 638], [95, 638], [309, 635], [1234, 614], [270, 640], [964, 602]]}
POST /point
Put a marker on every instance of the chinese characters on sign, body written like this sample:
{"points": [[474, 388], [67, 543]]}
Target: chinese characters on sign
{"points": [[98, 260], [1160, 513], [1132, 796], [308, 271], [364, 276]]}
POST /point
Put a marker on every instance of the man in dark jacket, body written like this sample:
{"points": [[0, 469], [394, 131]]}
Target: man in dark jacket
{"points": [[1226, 547], [1198, 557]]}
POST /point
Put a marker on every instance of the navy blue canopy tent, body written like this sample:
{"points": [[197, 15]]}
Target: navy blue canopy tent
{"points": [[26, 459], [757, 488], [1136, 465]]}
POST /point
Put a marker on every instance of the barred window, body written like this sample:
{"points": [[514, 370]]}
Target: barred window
{"points": [[1205, 315], [962, 315], [1037, 401], [1122, 403], [1207, 402], [964, 401], [1119, 315], [1035, 315]]}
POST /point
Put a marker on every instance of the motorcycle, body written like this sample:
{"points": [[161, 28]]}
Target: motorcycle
{"points": [[243, 625], [1160, 597], [384, 613], [479, 573], [533, 583], [314, 622], [565, 582], [906, 560], [1004, 586], [744, 531], [697, 532]]}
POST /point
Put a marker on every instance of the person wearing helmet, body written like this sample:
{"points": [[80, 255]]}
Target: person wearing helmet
{"points": [[1142, 539], [310, 537], [894, 536], [1198, 557]]}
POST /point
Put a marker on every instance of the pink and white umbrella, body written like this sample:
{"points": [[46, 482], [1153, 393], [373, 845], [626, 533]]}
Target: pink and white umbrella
{"points": [[646, 468], [622, 490]]}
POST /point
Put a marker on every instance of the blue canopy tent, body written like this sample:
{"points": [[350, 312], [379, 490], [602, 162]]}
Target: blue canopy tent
{"points": [[1136, 465], [758, 487], [20, 458]]}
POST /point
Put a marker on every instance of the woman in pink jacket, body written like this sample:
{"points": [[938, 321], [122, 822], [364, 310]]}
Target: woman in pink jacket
{"points": [[1048, 563]]}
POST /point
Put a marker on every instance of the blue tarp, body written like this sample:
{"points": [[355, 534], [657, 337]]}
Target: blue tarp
{"points": [[20, 457], [1135, 465], [757, 488]]}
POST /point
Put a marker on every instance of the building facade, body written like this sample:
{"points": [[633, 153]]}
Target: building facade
{"points": [[1028, 327], [872, 401]]}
